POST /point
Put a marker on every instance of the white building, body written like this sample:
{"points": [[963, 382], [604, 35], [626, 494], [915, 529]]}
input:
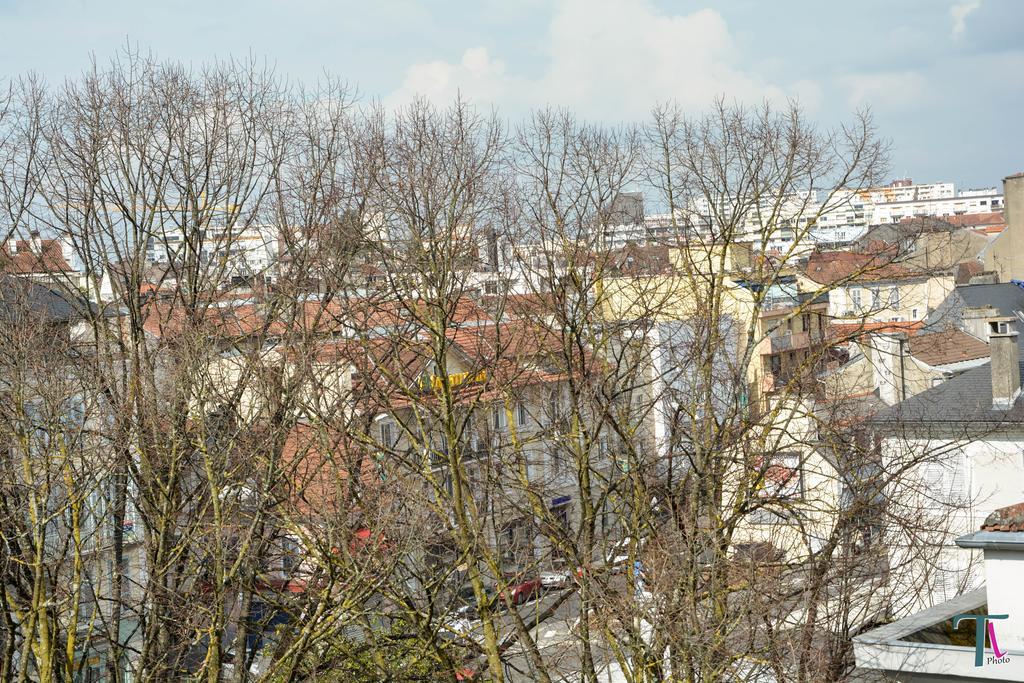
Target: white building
{"points": [[964, 440], [902, 199], [242, 250], [947, 642], [832, 218]]}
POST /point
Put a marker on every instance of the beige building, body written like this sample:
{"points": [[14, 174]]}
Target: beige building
{"points": [[897, 362], [799, 492], [874, 288], [1006, 254]]}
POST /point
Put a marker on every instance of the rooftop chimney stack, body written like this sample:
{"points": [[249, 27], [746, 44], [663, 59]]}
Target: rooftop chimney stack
{"points": [[1002, 340], [1006, 253]]}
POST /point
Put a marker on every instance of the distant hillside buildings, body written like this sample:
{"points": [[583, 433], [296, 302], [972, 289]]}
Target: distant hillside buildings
{"points": [[830, 219]]}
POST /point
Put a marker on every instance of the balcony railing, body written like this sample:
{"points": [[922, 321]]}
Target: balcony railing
{"points": [[793, 341]]}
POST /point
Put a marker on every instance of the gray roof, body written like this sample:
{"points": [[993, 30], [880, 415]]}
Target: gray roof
{"points": [[993, 540], [19, 297], [965, 399], [1006, 297]]}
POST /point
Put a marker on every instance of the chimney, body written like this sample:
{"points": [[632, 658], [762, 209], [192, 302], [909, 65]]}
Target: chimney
{"points": [[36, 242], [889, 362], [1006, 253], [987, 277], [1002, 342]]}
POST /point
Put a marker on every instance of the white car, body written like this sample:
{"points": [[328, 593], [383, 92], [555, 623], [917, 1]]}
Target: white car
{"points": [[461, 621], [617, 556], [555, 579]]}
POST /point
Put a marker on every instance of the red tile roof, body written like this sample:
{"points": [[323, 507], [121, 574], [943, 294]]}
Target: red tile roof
{"points": [[257, 315], [948, 346], [24, 259], [1009, 518], [840, 332], [838, 267], [965, 220]]}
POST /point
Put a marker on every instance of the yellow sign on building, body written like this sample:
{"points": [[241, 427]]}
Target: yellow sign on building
{"points": [[455, 380]]}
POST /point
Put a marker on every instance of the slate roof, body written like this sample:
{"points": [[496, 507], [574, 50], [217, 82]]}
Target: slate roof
{"points": [[1006, 297], [19, 297], [964, 400]]}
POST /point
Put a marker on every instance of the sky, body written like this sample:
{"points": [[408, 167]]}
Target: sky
{"points": [[944, 78]]}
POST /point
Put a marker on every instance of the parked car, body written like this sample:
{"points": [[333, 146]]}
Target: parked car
{"points": [[461, 621], [555, 579], [524, 590], [615, 558]]}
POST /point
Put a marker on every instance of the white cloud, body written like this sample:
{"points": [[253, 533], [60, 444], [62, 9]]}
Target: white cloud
{"points": [[610, 59], [894, 89], [476, 76], [959, 13]]}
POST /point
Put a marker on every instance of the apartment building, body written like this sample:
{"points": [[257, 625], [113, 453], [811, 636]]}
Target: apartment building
{"points": [[874, 287], [808, 217], [903, 199], [793, 332], [243, 251], [968, 434]]}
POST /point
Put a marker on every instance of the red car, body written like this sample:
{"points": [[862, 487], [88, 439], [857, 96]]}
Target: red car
{"points": [[523, 591]]}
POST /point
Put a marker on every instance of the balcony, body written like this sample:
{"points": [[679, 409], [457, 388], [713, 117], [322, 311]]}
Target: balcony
{"points": [[793, 341], [774, 303]]}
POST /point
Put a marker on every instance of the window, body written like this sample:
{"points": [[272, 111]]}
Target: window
{"points": [[127, 579], [894, 297], [609, 521], [557, 459], [521, 414], [855, 297], [560, 513], [783, 478], [87, 600], [387, 435], [94, 672], [876, 298], [516, 541], [554, 406], [291, 554], [499, 419], [439, 454]]}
